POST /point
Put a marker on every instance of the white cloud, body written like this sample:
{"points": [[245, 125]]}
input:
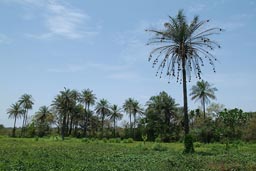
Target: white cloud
{"points": [[59, 19]]}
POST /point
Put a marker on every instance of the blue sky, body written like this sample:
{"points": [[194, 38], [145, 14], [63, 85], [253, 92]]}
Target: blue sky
{"points": [[46, 45]]}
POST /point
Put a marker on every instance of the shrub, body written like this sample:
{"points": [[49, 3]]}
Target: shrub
{"points": [[188, 142], [159, 147], [129, 140], [158, 139], [86, 140], [105, 140]]}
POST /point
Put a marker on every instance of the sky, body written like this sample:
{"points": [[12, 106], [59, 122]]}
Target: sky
{"points": [[46, 45]]}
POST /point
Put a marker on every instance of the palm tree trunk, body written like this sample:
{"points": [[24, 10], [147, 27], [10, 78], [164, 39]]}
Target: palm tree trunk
{"points": [[114, 127], [85, 119], [14, 126], [185, 98], [102, 125], [134, 121], [63, 128], [204, 106], [23, 123], [130, 124]]}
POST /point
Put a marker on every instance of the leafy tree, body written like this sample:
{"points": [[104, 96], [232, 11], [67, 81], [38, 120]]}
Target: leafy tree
{"points": [[88, 98], [102, 109], [182, 49], [203, 91], [233, 119], [161, 115], [115, 114], [26, 101], [15, 111]]}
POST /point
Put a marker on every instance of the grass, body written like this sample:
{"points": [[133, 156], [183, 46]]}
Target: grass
{"points": [[76, 154]]}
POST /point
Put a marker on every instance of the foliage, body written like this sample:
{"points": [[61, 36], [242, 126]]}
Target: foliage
{"points": [[188, 143], [48, 154], [233, 120]]}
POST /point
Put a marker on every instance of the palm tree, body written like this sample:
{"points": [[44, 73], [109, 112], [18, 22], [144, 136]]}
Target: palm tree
{"points": [[115, 114], [43, 114], [88, 98], [127, 106], [15, 111], [26, 101], [182, 49], [203, 91], [64, 104], [102, 109], [136, 109], [44, 118], [162, 112]]}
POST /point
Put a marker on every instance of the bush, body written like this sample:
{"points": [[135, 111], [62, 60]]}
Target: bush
{"points": [[129, 140], [188, 142], [158, 139], [86, 140], [105, 140], [159, 147]]}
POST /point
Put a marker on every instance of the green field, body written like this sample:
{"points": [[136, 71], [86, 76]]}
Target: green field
{"points": [[77, 154]]}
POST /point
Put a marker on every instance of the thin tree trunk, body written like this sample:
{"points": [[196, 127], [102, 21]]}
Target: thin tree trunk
{"points": [[14, 127], [87, 118], [102, 125], [70, 126], [85, 124], [204, 106], [114, 127], [185, 98], [134, 122], [63, 127], [130, 124]]}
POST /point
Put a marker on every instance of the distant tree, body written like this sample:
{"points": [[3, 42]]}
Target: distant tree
{"points": [[64, 104], [127, 106], [161, 115], [15, 111], [233, 120], [88, 98], [203, 91], [115, 114], [26, 101], [182, 49], [103, 110], [136, 109], [214, 109], [43, 118]]}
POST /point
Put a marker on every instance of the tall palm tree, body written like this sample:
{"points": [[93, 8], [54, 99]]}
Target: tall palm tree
{"points": [[136, 109], [115, 114], [102, 109], [15, 111], [127, 106], [203, 91], [88, 98], [26, 101], [182, 49]]}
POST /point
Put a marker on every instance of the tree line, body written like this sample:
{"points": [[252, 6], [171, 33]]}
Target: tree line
{"points": [[80, 114]]}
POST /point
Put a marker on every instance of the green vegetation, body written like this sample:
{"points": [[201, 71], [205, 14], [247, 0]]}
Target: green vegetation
{"points": [[44, 154]]}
